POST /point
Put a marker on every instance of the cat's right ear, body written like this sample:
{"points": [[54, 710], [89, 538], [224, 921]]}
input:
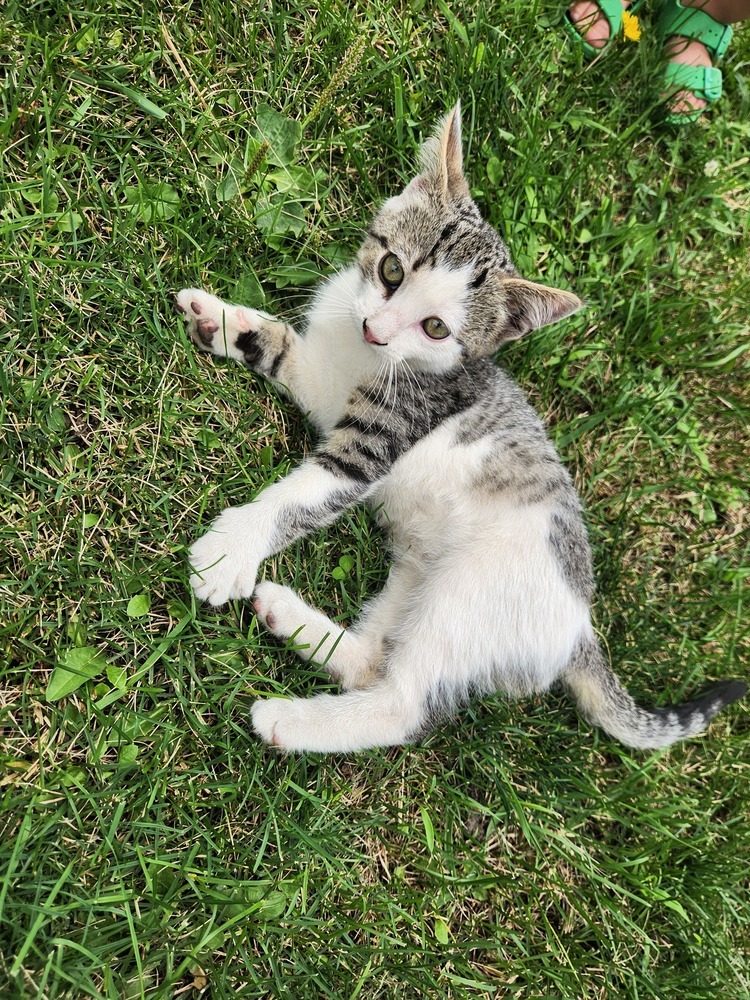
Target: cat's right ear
{"points": [[442, 161], [529, 306]]}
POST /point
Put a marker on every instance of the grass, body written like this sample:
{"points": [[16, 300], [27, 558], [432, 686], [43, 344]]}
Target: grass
{"points": [[150, 847]]}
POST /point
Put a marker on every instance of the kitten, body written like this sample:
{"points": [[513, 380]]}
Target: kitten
{"points": [[491, 578]]}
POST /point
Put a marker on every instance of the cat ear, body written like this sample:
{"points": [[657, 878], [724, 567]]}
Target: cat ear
{"points": [[442, 159], [529, 306]]}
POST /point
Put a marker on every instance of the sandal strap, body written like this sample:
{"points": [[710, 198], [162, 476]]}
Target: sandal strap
{"points": [[695, 24], [612, 10], [702, 81]]}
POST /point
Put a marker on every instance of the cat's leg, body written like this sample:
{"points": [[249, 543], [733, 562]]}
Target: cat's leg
{"points": [[394, 707], [225, 560], [354, 656], [381, 715], [352, 659], [266, 345], [344, 470]]}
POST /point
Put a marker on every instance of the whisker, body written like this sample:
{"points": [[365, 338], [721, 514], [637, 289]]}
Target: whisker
{"points": [[414, 386]]}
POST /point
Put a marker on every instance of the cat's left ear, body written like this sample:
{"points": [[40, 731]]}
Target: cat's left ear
{"points": [[528, 306], [442, 160]]}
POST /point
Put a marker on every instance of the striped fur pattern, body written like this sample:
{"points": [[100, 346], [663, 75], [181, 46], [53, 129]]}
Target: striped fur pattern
{"points": [[491, 578]]}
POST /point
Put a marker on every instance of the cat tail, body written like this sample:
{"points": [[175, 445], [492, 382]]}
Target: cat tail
{"points": [[604, 702]]}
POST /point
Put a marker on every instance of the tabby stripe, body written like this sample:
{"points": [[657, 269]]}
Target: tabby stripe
{"points": [[275, 364], [338, 466], [366, 451], [372, 452], [432, 253], [480, 278], [364, 427], [295, 521], [381, 239], [470, 213], [393, 449], [447, 251], [398, 422], [372, 394], [447, 230]]}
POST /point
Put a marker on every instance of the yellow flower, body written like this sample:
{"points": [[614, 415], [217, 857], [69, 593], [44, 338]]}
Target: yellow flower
{"points": [[631, 26]]}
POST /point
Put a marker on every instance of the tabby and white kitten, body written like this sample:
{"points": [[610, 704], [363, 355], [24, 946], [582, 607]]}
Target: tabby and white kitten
{"points": [[491, 578]]}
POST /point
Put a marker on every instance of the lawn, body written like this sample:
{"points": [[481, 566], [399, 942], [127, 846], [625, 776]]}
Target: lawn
{"points": [[150, 846]]}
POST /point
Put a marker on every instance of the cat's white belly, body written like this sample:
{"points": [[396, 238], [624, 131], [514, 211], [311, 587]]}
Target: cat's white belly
{"points": [[491, 600]]}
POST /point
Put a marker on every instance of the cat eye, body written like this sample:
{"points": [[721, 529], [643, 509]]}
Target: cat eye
{"points": [[435, 328], [391, 271]]}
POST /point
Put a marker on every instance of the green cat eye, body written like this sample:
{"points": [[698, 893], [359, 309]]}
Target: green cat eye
{"points": [[391, 271], [435, 328]]}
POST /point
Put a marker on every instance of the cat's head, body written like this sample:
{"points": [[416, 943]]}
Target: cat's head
{"points": [[437, 283]]}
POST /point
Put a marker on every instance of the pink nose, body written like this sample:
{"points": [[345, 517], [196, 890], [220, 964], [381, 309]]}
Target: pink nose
{"points": [[370, 336]]}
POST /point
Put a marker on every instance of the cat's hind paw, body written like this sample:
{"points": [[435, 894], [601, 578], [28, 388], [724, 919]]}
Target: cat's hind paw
{"points": [[278, 608], [273, 719]]}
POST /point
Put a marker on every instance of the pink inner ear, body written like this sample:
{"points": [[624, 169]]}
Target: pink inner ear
{"points": [[451, 156]]}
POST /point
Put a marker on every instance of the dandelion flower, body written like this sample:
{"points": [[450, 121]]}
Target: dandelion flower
{"points": [[631, 26]]}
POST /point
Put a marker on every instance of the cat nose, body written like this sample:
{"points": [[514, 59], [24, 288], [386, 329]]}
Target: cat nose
{"points": [[370, 336]]}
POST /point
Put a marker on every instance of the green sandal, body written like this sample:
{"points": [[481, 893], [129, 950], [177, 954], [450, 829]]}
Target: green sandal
{"points": [[704, 82], [612, 11]]}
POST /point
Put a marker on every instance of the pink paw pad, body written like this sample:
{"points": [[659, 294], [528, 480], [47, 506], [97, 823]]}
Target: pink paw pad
{"points": [[206, 328], [268, 620]]}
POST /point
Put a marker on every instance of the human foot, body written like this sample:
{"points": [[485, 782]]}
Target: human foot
{"points": [[693, 42], [596, 23], [681, 51]]}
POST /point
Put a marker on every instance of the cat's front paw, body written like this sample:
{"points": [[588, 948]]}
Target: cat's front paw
{"points": [[275, 721], [216, 326], [225, 561]]}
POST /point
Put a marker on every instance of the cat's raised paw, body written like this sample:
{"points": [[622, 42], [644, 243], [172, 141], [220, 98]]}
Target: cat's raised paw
{"points": [[214, 325]]}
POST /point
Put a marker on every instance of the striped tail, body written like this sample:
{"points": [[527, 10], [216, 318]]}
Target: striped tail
{"points": [[604, 702]]}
